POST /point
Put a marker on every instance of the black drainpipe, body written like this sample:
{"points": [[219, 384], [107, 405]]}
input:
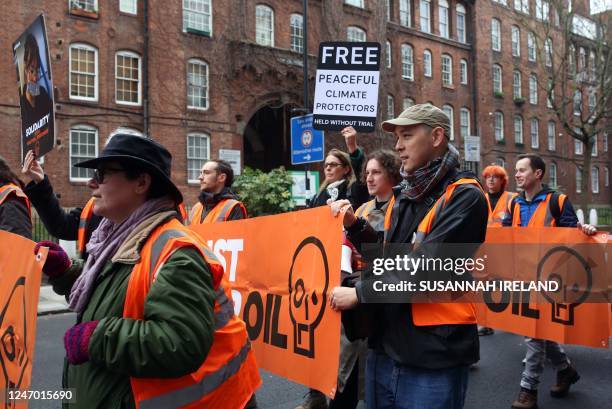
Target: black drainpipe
{"points": [[145, 63]]}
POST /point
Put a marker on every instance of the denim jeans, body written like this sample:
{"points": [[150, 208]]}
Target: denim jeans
{"points": [[390, 385], [537, 352]]}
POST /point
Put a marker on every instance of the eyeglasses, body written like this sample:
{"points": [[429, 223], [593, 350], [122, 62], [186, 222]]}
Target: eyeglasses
{"points": [[99, 174], [332, 165]]}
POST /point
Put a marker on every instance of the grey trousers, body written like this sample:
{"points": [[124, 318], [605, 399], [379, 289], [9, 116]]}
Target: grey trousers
{"points": [[537, 352]]}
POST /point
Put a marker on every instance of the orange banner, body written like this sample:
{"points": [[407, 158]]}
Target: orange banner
{"points": [[560, 252], [20, 274], [282, 270]]}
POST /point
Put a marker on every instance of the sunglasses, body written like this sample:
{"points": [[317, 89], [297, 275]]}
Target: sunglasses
{"points": [[100, 174]]}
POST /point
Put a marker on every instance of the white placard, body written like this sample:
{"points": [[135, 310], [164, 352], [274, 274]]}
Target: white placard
{"points": [[233, 157]]}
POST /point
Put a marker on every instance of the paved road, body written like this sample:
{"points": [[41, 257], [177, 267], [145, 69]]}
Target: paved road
{"points": [[493, 385]]}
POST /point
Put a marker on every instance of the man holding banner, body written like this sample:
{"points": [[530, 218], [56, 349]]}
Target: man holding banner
{"points": [[537, 206], [417, 346]]}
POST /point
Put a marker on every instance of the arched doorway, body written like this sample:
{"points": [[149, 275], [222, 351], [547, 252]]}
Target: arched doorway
{"points": [[267, 135]]}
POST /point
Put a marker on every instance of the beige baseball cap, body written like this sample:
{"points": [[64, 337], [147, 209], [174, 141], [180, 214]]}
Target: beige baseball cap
{"points": [[420, 114]]}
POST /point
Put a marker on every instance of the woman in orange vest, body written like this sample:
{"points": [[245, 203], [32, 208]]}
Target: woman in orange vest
{"points": [[155, 319], [14, 204], [498, 199]]}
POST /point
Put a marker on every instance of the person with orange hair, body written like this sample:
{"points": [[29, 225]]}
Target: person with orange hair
{"points": [[498, 199]]}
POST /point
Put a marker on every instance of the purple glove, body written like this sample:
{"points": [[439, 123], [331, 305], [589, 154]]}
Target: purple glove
{"points": [[76, 342], [57, 260]]}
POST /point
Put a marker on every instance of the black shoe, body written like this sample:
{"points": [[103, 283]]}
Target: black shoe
{"points": [[565, 379], [484, 331]]}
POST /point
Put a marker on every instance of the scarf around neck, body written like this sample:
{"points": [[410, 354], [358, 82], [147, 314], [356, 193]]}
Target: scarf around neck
{"points": [[418, 184], [104, 242]]}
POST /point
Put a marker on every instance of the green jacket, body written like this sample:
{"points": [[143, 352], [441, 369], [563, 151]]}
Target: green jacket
{"points": [[173, 339]]}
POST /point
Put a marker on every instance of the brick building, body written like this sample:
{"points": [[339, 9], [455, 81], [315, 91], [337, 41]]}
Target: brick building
{"points": [[205, 75]]}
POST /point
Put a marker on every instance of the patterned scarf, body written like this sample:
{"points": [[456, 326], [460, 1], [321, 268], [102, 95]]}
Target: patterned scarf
{"points": [[419, 183], [104, 242]]}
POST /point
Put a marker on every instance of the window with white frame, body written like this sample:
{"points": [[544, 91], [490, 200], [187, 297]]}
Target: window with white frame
{"points": [[464, 122], [595, 179], [495, 35], [525, 6], [517, 91], [356, 3], [405, 14], [447, 70], [578, 145], [592, 101], [571, 59], [531, 47], [552, 139], [592, 65], [552, 175], [448, 110], [535, 133], [516, 41], [83, 72], [83, 146], [128, 6], [499, 126], [197, 17], [389, 10], [198, 152], [605, 141], [463, 71], [500, 162], [497, 79], [533, 89], [443, 19], [197, 84], [388, 53], [407, 62], [517, 5], [548, 52], [127, 78], [577, 102], [264, 25], [550, 96], [594, 148], [85, 5], [296, 33], [355, 34], [607, 177], [542, 10], [408, 102], [427, 63], [390, 107], [578, 180], [461, 37], [581, 59], [501, 2], [425, 12], [518, 129]]}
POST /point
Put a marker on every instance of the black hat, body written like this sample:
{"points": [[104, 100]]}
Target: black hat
{"points": [[141, 150]]}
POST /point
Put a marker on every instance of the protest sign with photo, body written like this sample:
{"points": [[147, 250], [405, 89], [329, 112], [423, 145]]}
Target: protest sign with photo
{"points": [[31, 56], [19, 287], [346, 90], [282, 269]]}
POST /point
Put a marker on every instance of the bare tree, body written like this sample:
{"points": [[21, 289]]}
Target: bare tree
{"points": [[573, 51]]}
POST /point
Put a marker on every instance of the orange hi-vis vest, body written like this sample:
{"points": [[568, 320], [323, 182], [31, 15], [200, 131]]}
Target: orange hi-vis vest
{"points": [[424, 314], [502, 208], [84, 220], [542, 217], [11, 189], [219, 213], [228, 376], [364, 210]]}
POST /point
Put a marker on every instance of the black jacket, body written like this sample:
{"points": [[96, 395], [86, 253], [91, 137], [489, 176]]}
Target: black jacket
{"points": [[463, 220], [15, 217], [58, 222], [209, 201]]}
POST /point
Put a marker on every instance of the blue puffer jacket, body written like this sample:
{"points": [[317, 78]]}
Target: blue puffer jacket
{"points": [[567, 217]]}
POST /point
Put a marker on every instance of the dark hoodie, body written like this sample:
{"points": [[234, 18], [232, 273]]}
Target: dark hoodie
{"points": [[210, 200], [463, 220], [15, 217]]}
